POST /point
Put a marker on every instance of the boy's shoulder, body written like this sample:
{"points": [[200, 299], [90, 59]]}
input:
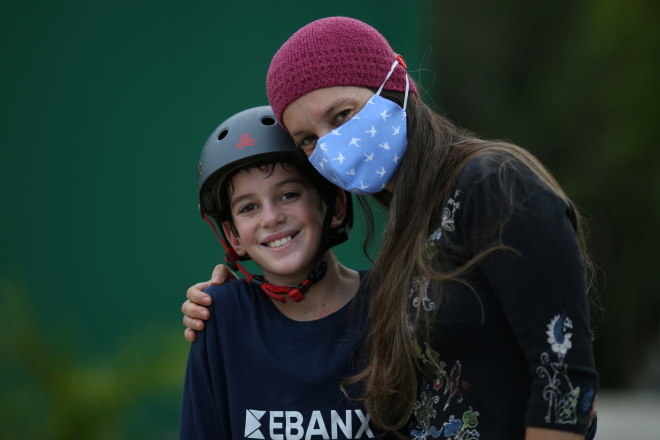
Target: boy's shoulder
{"points": [[233, 293]]}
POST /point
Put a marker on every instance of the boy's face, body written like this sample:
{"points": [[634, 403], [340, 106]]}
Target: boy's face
{"points": [[278, 219]]}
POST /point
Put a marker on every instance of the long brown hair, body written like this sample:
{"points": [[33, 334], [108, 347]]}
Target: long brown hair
{"points": [[437, 151]]}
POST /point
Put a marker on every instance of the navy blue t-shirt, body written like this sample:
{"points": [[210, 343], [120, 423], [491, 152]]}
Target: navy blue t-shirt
{"points": [[255, 373]]}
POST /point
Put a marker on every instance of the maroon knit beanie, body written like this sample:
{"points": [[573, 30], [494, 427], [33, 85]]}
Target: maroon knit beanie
{"points": [[333, 51]]}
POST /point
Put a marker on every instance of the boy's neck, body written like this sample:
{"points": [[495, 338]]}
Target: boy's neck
{"points": [[336, 289]]}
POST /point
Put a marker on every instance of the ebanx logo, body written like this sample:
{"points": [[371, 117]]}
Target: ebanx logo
{"points": [[293, 425]]}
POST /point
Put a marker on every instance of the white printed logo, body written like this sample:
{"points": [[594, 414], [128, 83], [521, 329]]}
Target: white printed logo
{"points": [[252, 423], [291, 425]]}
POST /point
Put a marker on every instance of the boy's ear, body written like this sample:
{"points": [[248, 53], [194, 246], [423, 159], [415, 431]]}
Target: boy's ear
{"points": [[339, 212], [233, 238]]}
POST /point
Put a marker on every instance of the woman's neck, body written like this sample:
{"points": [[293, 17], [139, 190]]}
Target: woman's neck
{"points": [[335, 290]]}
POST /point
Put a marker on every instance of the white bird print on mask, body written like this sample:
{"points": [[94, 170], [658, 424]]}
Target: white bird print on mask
{"points": [[340, 158]]}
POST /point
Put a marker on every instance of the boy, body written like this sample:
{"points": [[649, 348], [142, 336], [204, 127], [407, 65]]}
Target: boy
{"points": [[274, 353]]}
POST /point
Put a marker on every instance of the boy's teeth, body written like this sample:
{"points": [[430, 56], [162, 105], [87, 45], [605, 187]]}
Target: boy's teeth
{"points": [[280, 242]]}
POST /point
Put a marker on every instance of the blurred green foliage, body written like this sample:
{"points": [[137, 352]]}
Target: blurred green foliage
{"points": [[53, 392], [576, 83]]}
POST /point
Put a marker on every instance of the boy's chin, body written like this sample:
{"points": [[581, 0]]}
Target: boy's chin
{"points": [[288, 278]]}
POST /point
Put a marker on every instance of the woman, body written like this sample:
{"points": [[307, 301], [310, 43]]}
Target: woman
{"points": [[478, 325]]}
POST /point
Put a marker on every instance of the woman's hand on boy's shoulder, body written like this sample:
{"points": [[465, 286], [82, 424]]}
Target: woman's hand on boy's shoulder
{"points": [[194, 309]]}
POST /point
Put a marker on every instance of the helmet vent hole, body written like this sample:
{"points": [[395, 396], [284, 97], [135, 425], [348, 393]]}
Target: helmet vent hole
{"points": [[268, 121], [222, 134]]}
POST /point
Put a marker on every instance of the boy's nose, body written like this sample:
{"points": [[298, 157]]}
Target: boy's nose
{"points": [[272, 215]]}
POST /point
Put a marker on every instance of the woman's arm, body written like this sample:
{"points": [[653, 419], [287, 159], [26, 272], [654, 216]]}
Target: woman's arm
{"points": [[550, 434], [194, 309], [539, 281]]}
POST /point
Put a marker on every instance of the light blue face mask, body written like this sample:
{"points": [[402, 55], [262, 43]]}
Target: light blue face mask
{"points": [[362, 155]]}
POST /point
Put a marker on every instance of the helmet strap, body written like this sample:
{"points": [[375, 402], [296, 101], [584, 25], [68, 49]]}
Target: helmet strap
{"points": [[296, 294], [231, 257]]}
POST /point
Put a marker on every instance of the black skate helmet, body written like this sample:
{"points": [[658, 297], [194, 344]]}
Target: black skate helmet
{"points": [[250, 138]]}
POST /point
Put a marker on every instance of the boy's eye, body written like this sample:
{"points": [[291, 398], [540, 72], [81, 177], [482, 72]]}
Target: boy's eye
{"points": [[247, 208], [290, 195]]}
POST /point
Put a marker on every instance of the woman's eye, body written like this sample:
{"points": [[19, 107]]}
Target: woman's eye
{"points": [[342, 117], [307, 144]]}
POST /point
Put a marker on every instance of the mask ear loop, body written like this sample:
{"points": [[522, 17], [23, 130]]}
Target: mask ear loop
{"points": [[405, 96]]}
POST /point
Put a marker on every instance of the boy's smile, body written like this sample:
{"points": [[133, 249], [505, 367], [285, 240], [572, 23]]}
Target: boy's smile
{"points": [[278, 217]]}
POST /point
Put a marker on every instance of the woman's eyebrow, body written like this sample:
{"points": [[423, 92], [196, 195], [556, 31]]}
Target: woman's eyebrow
{"points": [[331, 108]]}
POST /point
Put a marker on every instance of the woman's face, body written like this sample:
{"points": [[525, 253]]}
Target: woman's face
{"points": [[320, 111]]}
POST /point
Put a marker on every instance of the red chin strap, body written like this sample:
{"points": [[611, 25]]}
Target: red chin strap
{"points": [[278, 293]]}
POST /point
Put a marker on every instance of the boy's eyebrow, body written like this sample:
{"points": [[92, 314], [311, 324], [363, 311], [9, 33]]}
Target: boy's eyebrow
{"points": [[240, 198]]}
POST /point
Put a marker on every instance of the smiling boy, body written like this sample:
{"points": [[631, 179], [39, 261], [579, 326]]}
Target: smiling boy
{"points": [[271, 361]]}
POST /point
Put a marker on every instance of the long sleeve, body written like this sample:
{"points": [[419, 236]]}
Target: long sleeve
{"points": [[538, 278]]}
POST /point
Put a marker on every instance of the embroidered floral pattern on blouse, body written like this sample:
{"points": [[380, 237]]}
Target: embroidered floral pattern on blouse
{"points": [[441, 387], [462, 429], [420, 295], [446, 224], [449, 211], [559, 392]]}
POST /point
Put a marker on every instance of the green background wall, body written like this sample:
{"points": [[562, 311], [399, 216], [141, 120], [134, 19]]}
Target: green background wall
{"points": [[105, 107]]}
